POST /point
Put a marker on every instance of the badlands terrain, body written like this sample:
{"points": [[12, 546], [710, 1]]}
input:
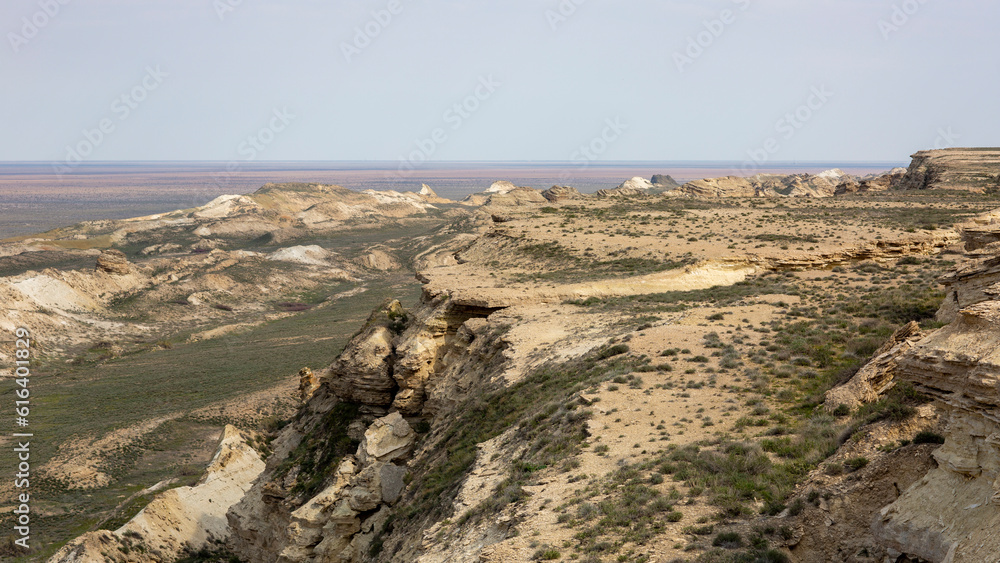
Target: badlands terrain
{"points": [[773, 368]]}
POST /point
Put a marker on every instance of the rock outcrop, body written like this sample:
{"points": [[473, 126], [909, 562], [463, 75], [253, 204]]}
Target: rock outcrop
{"points": [[420, 364], [636, 183], [181, 519], [622, 191], [337, 524], [516, 197], [972, 282], [500, 187], [114, 262], [308, 384], [823, 184], [878, 375], [950, 515], [555, 194], [430, 196], [919, 244], [871, 184], [973, 169], [363, 372]]}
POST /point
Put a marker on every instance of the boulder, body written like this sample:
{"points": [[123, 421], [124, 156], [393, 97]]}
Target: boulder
{"points": [[387, 439], [113, 262]]}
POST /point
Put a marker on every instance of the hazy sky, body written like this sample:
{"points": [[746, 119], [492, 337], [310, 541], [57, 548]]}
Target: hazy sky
{"points": [[496, 80]]}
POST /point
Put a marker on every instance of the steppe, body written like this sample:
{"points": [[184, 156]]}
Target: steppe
{"points": [[729, 369]]}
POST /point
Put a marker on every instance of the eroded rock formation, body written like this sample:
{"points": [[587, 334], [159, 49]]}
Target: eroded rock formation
{"points": [[113, 262], [555, 194], [363, 372], [951, 514], [178, 520], [417, 364], [958, 168], [823, 184]]}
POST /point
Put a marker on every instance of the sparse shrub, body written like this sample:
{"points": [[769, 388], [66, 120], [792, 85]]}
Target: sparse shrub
{"points": [[728, 540], [834, 468], [796, 507], [856, 463]]}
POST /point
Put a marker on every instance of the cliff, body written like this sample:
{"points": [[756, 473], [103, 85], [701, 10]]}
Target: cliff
{"points": [[951, 514], [975, 169]]}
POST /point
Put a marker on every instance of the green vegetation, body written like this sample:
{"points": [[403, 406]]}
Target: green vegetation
{"points": [[320, 451], [547, 408]]}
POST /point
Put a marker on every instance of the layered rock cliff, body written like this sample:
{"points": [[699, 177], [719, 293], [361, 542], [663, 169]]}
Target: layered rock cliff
{"points": [[340, 467], [974, 169], [951, 514]]}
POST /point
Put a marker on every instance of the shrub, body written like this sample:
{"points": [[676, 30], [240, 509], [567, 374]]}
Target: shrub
{"points": [[612, 351], [834, 468], [545, 555], [728, 540], [856, 463]]}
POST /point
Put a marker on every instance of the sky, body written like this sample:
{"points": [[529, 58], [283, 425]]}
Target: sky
{"points": [[413, 81]]}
